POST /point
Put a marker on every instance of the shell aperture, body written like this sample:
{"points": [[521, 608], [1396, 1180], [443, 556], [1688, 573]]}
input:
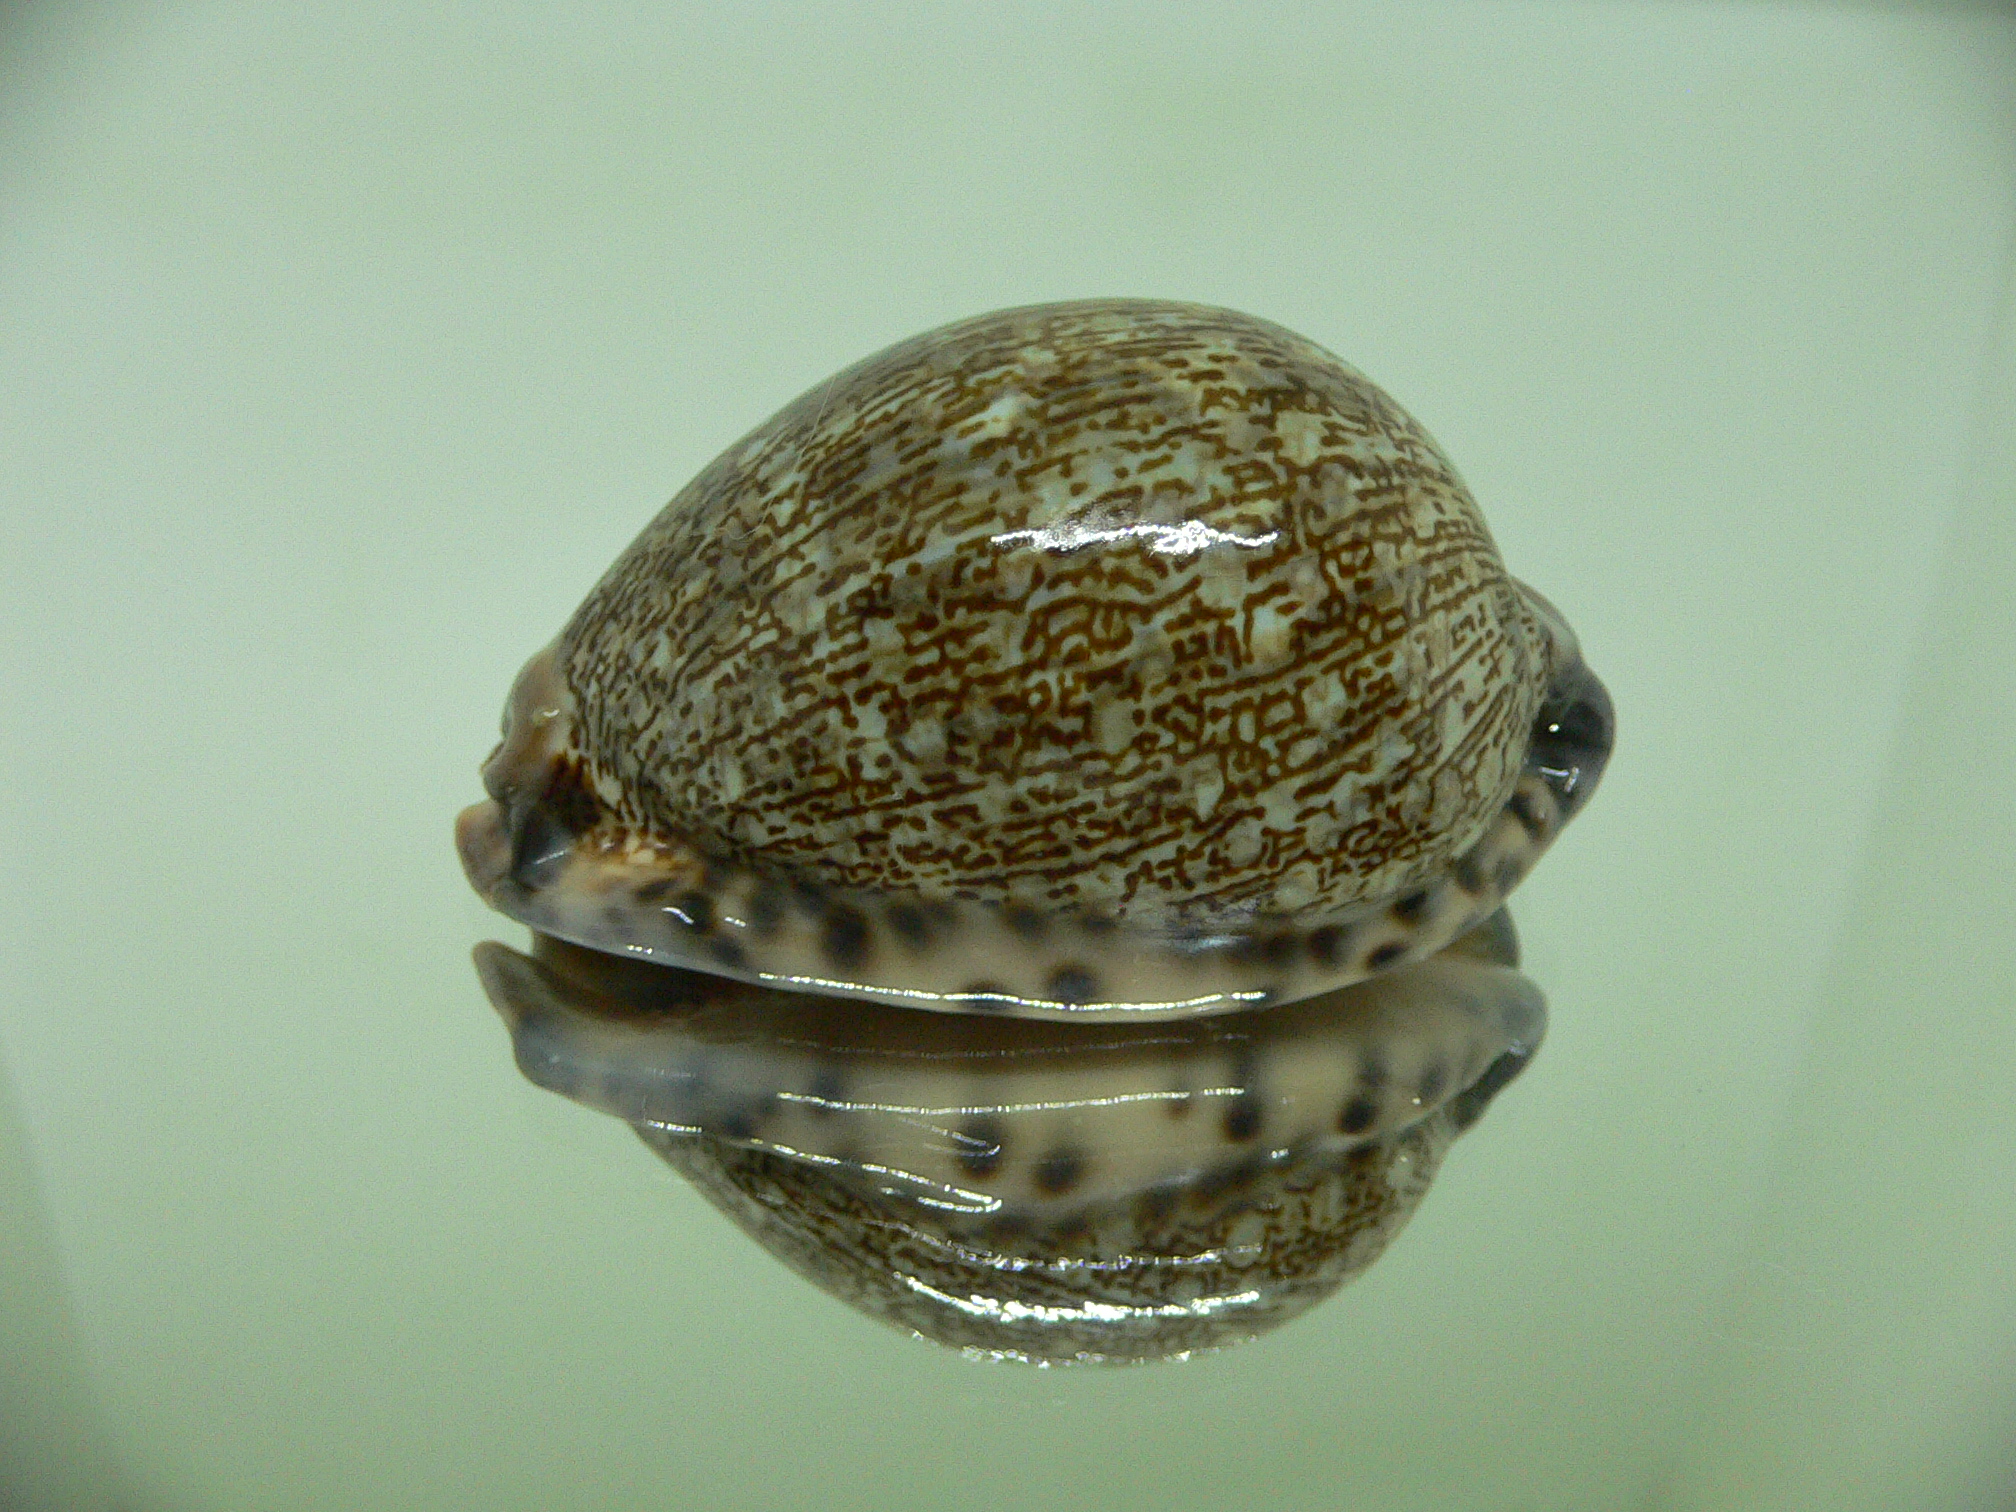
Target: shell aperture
{"points": [[1048, 1192], [1113, 659]]}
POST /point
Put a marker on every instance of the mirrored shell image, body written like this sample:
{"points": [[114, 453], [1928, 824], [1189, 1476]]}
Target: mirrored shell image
{"points": [[1117, 660], [1057, 1193]]}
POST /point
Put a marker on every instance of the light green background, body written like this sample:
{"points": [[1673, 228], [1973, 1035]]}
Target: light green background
{"points": [[342, 346]]}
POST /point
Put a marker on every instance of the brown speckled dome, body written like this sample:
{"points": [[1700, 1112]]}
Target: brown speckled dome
{"points": [[1153, 611]]}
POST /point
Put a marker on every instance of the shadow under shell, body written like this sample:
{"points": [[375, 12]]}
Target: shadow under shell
{"points": [[1055, 1193]]}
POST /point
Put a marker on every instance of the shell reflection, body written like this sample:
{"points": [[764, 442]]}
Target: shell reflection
{"points": [[1048, 1192]]}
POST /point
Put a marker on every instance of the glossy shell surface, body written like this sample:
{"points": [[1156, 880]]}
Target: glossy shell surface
{"points": [[1144, 609], [1111, 656]]}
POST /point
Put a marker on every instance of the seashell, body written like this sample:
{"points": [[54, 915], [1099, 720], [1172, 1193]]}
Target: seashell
{"points": [[1112, 658], [1041, 1191]]}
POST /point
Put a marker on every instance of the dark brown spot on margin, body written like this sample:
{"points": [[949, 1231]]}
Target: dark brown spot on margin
{"points": [[1357, 1115], [1385, 955], [1073, 984], [728, 954], [1242, 1119], [1059, 1171], [844, 936], [696, 908], [1027, 922], [910, 924], [766, 908], [1274, 949], [738, 1123], [1522, 808], [826, 1091], [1409, 909], [1326, 945]]}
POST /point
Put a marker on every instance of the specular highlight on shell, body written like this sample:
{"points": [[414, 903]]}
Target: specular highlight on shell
{"points": [[1112, 657]]}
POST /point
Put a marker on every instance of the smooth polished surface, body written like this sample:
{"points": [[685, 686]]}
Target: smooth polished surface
{"points": [[339, 347], [1088, 660]]}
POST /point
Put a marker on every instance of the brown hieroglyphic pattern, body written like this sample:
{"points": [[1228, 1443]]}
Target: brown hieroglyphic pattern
{"points": [[1152, 610]]}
